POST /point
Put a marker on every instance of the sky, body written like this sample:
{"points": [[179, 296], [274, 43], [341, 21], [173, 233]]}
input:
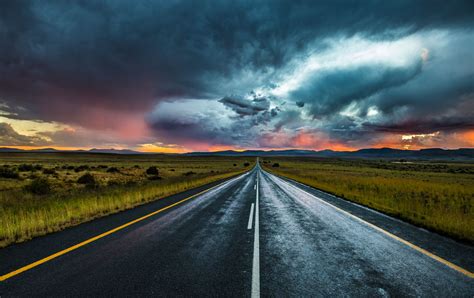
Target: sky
{"points": [[180, 76]]}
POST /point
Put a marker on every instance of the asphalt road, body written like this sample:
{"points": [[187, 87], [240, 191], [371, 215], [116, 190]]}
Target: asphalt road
{"points": [[256, 234]]}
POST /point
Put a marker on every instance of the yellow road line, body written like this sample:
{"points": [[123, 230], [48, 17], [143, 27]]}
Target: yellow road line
{"points": [[413, 246], [74, 247]]}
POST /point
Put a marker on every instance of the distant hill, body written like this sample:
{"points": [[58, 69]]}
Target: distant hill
{"points": [[381, 153], [114, 151], [255, 153], [4, 149], [52, 150], [374, 153]]}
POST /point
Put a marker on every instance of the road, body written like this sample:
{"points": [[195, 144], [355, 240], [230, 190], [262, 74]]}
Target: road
{"points": [[253, 235]]}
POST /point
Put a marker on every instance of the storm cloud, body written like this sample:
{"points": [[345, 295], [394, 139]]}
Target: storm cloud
{"points": [[246, 107], [237, 72]]}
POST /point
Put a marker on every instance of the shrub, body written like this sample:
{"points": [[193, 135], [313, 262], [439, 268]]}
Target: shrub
{"points": [[276, 165], [25, 168], [81, 168], [49, 171], [246, 164], [102, 166], [113, 170], [235, 164], [39, 186], [154, 177], [8, 173], [172, 170], [88, 180], [152, 171], [189, 173]]}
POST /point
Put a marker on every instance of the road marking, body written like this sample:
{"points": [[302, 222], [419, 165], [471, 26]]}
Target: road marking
{"points": [[413, 246], [74, 247], [256, 253], [255, 187], [249, 225]]}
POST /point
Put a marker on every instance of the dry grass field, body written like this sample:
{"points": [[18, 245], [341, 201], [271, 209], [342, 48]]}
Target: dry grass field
{"points": [[46, 192]]}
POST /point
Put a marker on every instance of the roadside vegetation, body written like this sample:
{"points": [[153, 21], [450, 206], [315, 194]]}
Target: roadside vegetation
{"points": [[42, 193], [437, 196]]}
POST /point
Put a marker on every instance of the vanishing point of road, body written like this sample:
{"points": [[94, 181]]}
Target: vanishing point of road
{"points": [[253, 235]]}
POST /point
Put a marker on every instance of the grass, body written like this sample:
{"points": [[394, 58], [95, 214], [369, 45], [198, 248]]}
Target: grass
{"points": [[436, 196], [49, 192]]}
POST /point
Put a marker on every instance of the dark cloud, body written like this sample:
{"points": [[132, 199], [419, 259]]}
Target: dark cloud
{"points": [[126, 55], [423, 126], [246, 107], [89, 63], [330, 90]]}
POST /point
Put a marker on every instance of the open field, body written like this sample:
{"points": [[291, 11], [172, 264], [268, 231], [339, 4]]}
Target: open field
{"points": [[437, 196], [46, 192]]}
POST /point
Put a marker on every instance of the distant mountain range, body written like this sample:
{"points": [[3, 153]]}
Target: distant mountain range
{"points": [[52, 150], [381, 153], [385, 153]]}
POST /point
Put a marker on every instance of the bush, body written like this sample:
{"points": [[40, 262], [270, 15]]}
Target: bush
{"points": [[113, 170], [102, 166], [153, 171], [189, 173], [8, 173], [81, 168], [246, 164], [154, 178], [39, 186], [276, 165], [49, 171], [172, 170], [235, 164], [25, 168], [88, 180]]}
